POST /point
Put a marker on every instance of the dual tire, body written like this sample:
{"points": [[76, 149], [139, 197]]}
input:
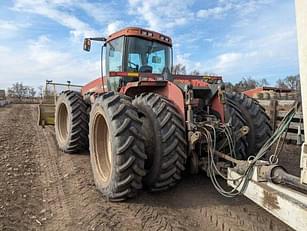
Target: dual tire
{"points": [[242, 111], [165, 141], [131, 144], [143, 142], [116, 147], [71, 122]]}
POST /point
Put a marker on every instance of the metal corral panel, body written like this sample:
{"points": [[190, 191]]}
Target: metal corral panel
{"points": [[2, 94], [3, 103], [277, 109]]}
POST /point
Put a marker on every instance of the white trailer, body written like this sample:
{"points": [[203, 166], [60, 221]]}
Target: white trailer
{"points": [[269, 185]]}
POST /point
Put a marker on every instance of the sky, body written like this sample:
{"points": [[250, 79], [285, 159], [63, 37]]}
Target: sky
{"points": [[43, 39]]}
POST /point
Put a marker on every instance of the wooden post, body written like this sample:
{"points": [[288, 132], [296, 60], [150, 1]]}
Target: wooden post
{"points": [[273, 113], [301, 25]]}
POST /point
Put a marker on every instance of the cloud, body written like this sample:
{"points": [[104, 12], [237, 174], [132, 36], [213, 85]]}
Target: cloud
{"points": [[256, 42], [186, 60], [236, 61], [102, 12], [162, 15], [271, 54], [9, 28], [63, 12], [216, 12], [113, 27], [245, 8], [54, 10], [247, 37], [227, 60], [40, 60], [241, 8]]}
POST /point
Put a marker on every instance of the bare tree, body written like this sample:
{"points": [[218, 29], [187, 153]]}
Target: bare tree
{"points": [[229, 86], [292, 81], [41, 91], [246, 84], [18, 90], [262, 83], [31, 91], [280, 83], [179, 69], [195, 72]]}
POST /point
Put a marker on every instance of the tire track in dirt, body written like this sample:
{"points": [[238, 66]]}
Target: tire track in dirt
{"points": [[225, 214], [98, 214], [20, 187], [65, 197], [86, 207], [194, 205], [56, 204]]}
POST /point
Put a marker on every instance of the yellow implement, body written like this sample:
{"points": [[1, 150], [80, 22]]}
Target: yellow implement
{"points": [[46, 114], [46, 109]]}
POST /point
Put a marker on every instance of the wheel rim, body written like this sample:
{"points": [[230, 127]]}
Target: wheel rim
{"points": [[102, 147], [62, 123]]}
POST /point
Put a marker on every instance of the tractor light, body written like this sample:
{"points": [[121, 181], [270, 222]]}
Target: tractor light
{"points": [[133, 74]]}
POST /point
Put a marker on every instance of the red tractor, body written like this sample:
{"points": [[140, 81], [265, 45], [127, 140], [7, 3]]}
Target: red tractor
{"points": [[145, 126]]}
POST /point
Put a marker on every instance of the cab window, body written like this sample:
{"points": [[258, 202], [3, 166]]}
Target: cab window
{"points": [[146, 54], [134, 62], [115, 55], [157, 61]]}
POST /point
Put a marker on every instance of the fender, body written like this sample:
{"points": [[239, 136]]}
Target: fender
{"points": [[95, 85], [165, 88], [218, 106]]}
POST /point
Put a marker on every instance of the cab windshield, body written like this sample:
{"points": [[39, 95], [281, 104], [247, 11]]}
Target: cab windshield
{"points": [[147, 56]]}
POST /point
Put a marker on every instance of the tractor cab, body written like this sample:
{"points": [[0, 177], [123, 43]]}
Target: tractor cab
{"points": [[132, 51]]}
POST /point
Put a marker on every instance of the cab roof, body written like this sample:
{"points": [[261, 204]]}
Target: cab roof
{"points": [[143, 33]]}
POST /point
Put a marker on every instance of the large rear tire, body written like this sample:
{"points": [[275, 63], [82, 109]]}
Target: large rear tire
{"points": [[71, 122], [165, 142], [249, 112], [116, 147]]}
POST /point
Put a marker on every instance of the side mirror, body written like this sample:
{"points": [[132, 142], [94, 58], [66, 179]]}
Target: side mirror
{"points": [[156, 59], [87, 44]]}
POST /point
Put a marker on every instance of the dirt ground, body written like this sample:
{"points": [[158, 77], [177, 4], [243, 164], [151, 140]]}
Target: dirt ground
{"points": [[42, 188]]}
